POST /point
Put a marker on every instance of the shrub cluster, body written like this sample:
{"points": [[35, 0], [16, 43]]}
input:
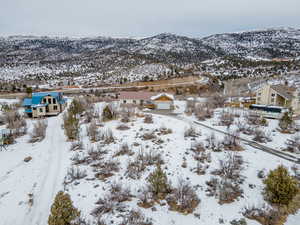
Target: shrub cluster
{"points": [[39, 131]]}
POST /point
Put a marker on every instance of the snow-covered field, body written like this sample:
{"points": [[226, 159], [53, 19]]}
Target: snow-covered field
{"points": [[43, 176], [278, 139]]}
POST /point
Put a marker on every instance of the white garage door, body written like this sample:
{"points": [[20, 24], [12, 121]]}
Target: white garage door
{"points": [[163, 105]]}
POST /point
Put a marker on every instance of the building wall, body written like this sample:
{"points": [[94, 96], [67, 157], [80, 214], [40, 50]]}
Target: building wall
{"points": [[270, 97], [169, 103], [132, 101], [295, 104], [165, 100], [53, 108], [267, 96], [263, 95], [39, 112]]}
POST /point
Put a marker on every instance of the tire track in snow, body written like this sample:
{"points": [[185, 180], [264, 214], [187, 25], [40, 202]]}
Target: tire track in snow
{"points": [[52, 175]]}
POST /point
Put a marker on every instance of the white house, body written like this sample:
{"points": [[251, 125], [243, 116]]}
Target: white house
{"points": [[147, 99], [135, 97]]}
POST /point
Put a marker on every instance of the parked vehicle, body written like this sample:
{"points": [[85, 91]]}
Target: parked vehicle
{"points": [[273, 112]]}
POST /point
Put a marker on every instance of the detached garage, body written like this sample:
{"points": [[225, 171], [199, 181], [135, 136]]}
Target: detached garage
{"points": [[163, 101]]}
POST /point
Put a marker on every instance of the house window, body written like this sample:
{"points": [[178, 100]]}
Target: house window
{"points": [[272, 100], [41, 110], [259, 94], [55, 107], [134, 101], [273, 95], [258, 99], [49, 100], [54, 101], [44, 100], [124, 101]]}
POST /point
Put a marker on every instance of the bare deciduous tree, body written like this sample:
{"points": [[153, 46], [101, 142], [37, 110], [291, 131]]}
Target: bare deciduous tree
{"points": [[92, 131], [39, 131]]}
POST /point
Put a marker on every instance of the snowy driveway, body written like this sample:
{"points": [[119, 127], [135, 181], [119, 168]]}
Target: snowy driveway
{"points": [[42, 176]]}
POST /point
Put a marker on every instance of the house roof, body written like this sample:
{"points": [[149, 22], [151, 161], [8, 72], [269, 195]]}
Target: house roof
{"points": [[137, 95], [171, 97], [284, 91], [43, 94], [37, 97], [27, 102]]}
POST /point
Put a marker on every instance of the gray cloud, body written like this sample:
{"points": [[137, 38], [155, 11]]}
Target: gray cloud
{"points": [[143, 17]]}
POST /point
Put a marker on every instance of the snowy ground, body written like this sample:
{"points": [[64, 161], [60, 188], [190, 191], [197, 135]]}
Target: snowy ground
{"points": [[278, 139], [43, 175]]}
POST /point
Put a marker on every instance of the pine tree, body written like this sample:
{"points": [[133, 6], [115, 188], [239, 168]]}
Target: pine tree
{"points": [[281, 187], [62, 211], [76, 107], [71, 125], [286, 121], [158, 181]]}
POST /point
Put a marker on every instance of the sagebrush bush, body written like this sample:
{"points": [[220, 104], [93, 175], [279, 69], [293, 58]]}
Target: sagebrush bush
{"points": [[107, 136], [106, 205], [231, 142], [77, 145], [124, 150], [293, 144], [184, 198], [92, 131], [39, 131], [74, 173], [226, 119], [15, 122], [264, 215], [148, 135], [281, 187], [148, 118], [261, 136], [119, 193], [135, 217], [191, 132], [228, 191], [145, 198], [213, 143], [204, 112], [123, 126]]}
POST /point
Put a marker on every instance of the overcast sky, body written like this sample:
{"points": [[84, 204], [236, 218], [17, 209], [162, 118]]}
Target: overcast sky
{"points": [[139, 18]]}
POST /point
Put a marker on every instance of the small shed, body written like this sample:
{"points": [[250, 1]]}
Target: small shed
{"points": [[163, 101]]}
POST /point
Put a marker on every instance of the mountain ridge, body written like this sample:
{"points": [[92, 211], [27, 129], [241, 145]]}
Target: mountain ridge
{"points": [[119, 59]]}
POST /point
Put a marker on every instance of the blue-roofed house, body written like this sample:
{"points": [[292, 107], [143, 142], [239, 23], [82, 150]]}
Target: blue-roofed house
{"points": [[44, 104]]}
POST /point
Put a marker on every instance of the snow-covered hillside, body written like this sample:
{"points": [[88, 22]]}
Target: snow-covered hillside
{"points": [[269, 43], [101, 164], [114, 59]]}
